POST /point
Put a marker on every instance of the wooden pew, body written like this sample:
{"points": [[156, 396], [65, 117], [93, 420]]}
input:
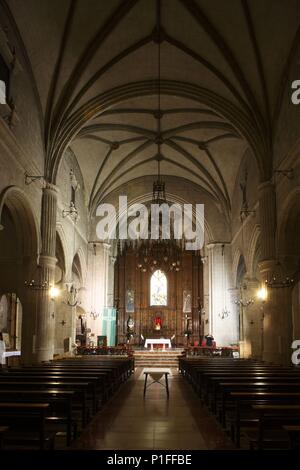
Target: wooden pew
{"points": [[81, 391], [213, 385], [22, 418], [264, 386], [243, 402], [93, 384], [60, 402], [273, 418], [85, 380], [218, 380]]}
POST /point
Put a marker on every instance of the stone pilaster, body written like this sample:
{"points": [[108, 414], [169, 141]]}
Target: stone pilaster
{"points": [[99, 261], [222, 314], [267, 212], [276, 311], [277, 318], [44, 344]]}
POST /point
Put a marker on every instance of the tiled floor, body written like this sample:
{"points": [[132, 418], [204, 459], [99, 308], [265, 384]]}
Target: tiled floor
{"points": [[129, 421]]}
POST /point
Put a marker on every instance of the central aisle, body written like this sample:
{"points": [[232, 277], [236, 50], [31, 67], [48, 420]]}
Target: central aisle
{"points": [[131, 422]]}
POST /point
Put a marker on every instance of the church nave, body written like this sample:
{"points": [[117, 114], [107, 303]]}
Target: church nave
{"points": [[130, 421]]}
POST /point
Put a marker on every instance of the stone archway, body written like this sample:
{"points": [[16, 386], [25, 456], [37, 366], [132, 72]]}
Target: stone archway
{"points": [[20, 241]]}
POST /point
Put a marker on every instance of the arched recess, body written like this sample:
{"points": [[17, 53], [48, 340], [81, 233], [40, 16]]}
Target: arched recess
{"points": [[253, 254], [81, 264], [16, 201], [241, 270], [19, 241], [60, 268], [236, 259], [77, 271]]}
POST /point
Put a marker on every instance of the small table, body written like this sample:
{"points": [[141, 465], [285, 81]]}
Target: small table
{"points": [[6, 354], [156, 375], [162, 341]]}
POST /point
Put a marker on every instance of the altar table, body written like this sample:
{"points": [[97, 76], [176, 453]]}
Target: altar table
{"points": [[162, 341], [7, 354]]}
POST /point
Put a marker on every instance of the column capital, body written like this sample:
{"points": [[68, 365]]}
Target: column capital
{"points": [[106, 246], [47, 261], [213, 244], [50, 187]]}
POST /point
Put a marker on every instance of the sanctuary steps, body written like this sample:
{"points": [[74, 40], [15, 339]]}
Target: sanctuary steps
{"points": [[157, 358]]}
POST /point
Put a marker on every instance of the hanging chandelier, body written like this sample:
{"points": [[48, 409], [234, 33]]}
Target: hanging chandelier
{"points": [[278, 280], [160, 253]]}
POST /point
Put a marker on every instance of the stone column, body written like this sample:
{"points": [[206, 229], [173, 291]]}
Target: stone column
{"points": [[222, 316], [44, 343], [277, 310], [98, 260], [252, 319]]}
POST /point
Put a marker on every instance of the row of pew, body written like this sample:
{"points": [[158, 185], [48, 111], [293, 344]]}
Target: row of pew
{"points": [[258, 404], [46, 406]]}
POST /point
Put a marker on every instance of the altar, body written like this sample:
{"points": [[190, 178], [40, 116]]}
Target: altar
{"points": [[7, 354], [162, 341]]}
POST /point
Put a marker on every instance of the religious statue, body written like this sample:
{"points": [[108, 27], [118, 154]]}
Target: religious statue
{"points": [[130, 324], [130, 328], [129, 301], [157, 323], [187, 302]]}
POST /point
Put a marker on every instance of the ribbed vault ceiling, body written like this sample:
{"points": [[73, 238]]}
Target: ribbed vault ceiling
{"points": [[223, 66]]}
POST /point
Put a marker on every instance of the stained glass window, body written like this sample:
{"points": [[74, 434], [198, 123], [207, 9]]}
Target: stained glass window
{"points": [[158, 288]]}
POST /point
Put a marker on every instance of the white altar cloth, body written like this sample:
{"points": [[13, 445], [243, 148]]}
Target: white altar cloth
{"points": [[6, 354], [162, 341]]}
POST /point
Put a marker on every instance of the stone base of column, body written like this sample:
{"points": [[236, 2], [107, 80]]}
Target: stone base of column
{"points": [[277, 322]]}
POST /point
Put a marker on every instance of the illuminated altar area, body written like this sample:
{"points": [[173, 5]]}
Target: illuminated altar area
{"points": [[163, 303]]}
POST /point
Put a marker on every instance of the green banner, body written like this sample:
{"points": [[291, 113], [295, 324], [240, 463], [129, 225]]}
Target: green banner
{"points": [[109, 315]]}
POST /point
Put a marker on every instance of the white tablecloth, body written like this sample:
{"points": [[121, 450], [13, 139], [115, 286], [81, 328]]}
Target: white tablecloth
{"points": [[6, 354], [162, 341]]}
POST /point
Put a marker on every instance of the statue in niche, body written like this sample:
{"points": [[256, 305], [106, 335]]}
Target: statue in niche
{"points": [[187, 301], [130, 324], [157, 323], [130, 328], [129, 301]]}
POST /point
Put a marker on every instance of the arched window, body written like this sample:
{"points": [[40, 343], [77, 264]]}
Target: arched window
{"points": [[158, 288]]}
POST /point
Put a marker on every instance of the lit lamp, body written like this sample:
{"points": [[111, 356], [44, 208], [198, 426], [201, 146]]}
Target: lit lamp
{"points": [[54, 292], [262, 294]]}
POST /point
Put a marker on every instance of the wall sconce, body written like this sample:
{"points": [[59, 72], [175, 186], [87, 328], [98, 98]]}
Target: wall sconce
{"points": [[262, 294], [72, 212], [94, 315], [224, 314], [54, 292]]}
